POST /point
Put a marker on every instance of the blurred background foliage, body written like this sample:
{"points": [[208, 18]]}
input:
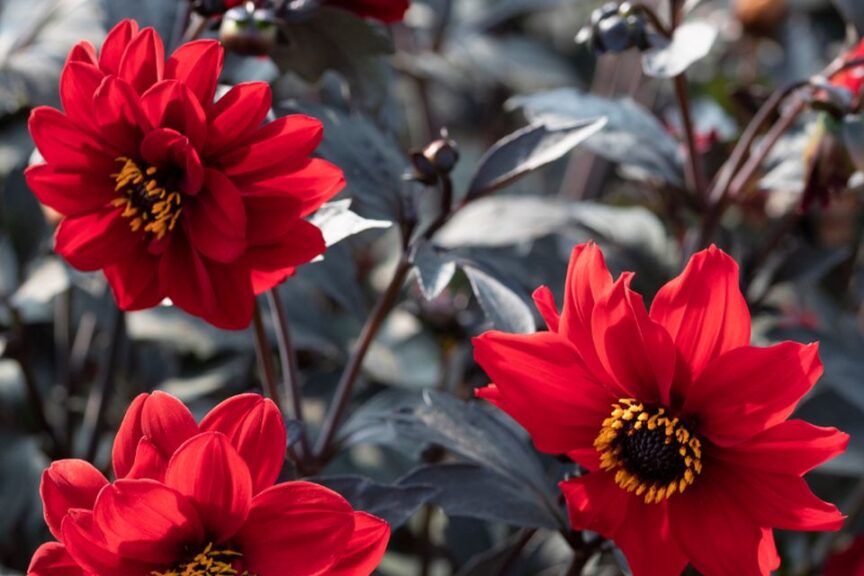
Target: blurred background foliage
{"points": [[462, 484]]}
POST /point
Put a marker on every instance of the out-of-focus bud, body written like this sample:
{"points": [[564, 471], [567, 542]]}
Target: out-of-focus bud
{"points": [[829, 165], [437, 159], [249, 30], [615, 28], [760, 17]]}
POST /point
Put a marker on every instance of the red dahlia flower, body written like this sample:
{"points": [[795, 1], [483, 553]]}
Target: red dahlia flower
{"points": [[210, 508], [681, 424], [171, 194]]}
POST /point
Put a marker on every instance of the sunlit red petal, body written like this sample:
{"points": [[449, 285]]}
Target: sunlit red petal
{"points": [[545, 302], [703, 309], [135, 281], [637, 353], [197, 64], [68, 484], [254, 426], [68, 190], [170, 104], [51, 559], [119, 115], [365, 548], [750, 389], [216, 219], [210, 473], [544, 386], [296, 526], [95, 240], [143, 61], [78, 83], [301, 243], [279, 146], [115, 45], [165, 420], [236, 114], [146, 521]]}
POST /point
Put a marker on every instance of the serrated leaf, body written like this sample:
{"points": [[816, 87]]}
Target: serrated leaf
{"points": [[527, 150], [434, 270], [691, 42], [505, 309], [337, 221], [632, 136], [395, 503]]}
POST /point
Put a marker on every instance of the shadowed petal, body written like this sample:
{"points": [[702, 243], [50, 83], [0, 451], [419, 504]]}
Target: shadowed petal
{"points": [[68, 484], [52, 559]]}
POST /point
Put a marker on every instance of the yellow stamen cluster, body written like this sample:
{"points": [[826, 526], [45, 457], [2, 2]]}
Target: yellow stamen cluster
{"points": [[206, 563], [652, 453], [149, 204]]}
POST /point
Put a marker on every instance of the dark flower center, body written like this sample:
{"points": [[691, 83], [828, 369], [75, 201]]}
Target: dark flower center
{"points": [[209, 561], [149, 198], [652, 453]]}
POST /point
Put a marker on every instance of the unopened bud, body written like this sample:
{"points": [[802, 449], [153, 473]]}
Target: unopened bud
{"points": [[249, 30]]}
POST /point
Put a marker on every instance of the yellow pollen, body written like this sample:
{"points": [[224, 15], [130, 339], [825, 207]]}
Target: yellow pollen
{"points": [[151, 207], [206, 563], [653, 454]]}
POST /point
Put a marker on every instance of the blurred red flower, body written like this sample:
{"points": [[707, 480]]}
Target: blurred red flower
{"points": [[196, 500], [681, 424], [853, 78], [171, 194], [385, 10], [848, 562]]}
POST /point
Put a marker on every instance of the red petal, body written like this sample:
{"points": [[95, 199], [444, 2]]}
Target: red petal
{"points": [[254, 426], [588, 280], [201, 287], [779, 500], [167, 148], [750, 389], [197, 64], [143, 61], [717, 535], [149, 462], [595, 502], [635, 351], [61, 142], [280, 145], [545, 302], [121, 119], [236, 114], [86, 544], [262, 281], [297, 524], [301, 243], [210, 473], [366, 547], [69, 191], [387, 11], [115, 45], [170, 104], [544, 386], [78, 83], [645, 538], [703, 309], [792, 447], [160, 417], [68, 484], [146, 521], [83, 52], [309, 185], [135, 281], [95, 240], [216, 219], [51, 559]]}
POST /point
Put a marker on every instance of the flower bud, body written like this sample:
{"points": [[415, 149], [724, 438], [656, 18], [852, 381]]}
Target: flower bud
{"points": [[616, 28], [437, 159], [248, 30]]}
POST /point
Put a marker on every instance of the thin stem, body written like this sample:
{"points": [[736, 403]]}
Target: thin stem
{"points": [[97, 402], [441, 28], [62, 345], [265, 357], [695, 174], [355, 362], [288, 359]]}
